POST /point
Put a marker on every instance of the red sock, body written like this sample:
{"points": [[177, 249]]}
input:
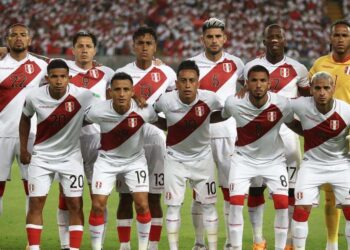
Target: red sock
{"points": [[96, 220], [255, 201], [124, 234], [33, 234], [2, 188], [75, 236], [155, 233]]}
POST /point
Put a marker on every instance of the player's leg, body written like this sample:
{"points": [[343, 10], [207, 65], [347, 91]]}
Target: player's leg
{"points": [[203, 182], [276, 179], [223, 149], [346, 212], [175, 176], [39, 182], [96, 220], [332, 217], [300, 228], [63, 220], [124, 217], [155, 151]]}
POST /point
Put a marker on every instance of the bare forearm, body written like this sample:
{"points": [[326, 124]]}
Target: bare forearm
{"points": [[24, 129]]}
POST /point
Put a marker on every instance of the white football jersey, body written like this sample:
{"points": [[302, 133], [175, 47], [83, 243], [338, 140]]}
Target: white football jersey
{"points": [[58, 121], [258, 138], [324, 134], [188, 136], [286, 76], [122, 136], [17, 78], [220, 77], [96, 80], [152, 82]]}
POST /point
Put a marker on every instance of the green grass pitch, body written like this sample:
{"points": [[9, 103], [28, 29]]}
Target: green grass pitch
{"points": [[13, 236]]}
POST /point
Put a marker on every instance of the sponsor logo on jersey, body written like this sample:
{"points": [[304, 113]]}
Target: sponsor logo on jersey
{"points": [[132, 122], [93, 73], [284, 72], [271, 116], [168, 195], [227, 67], [199, 111], [334, 124], [69, 106], [29, 68], [347, 70], [155, 77], [299, 195], [98, 184]]}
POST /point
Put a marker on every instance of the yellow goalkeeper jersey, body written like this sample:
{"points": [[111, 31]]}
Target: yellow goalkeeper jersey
{"points": [[340, 72]]}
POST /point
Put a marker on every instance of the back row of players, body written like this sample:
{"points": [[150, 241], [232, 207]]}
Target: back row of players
{"points": [[60, 107]]}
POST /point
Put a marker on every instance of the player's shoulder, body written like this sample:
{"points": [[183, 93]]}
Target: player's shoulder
{"points": [[234, 58], [40, 62], [197, 58], [38, 92], [296, 64], [126, 68], [166, 69], [207, 95], [107, 70]]}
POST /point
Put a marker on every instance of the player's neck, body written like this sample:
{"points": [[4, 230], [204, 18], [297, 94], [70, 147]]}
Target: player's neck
{"points": [[274, 58], [142, 64], [213, 57], [57, 95], [341, 57], [84, 66], [121, 110], [258, 102], [18, 56], [324, 109]]}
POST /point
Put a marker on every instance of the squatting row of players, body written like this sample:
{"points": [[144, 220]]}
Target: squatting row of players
{"points": [[82, 119]]}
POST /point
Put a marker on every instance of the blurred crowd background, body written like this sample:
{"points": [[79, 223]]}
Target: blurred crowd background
{"points": [[178, 25]]}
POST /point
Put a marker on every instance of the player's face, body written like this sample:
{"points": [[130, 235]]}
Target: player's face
{"points": [[214, 40], [187, 84], [18, 39], [84, 50], [258, 84], [58, 80], [145, 47], [322, 91], [121, 92], [340, 39], [274, 41]]}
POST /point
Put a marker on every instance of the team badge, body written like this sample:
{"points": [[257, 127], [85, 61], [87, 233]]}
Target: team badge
{"points": [[271, 116], [29, 68], [299, 195], [334, 124], [93, 73], [69, 106], [347, 70], [132, 122], [199, 111], [155, 77], [98, 184], [227, 67], [168, 195], [284, 72]]}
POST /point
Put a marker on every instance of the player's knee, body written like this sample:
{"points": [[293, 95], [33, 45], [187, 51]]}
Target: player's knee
{"points": [[36, 204], [301, 214], [209, 210], [97, 207], [141, 206], [346, 211], [173, 212], [237, 200], [280, 201], [74, 204]]}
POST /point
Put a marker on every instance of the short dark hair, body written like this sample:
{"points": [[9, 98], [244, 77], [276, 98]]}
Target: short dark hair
{"points": [[273, 26], [121, 76], [213, 23], [143, 30], [258, 68], [188, 64], [84, 34], [15, 25], [339, 21], [57, 64]]}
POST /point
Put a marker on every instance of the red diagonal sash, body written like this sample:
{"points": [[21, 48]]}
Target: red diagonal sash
{"points": [[324, 131], [259, 126], [89, 79], [122, 132], [19, 79], [150, 83], [218, 75], [58, 119], [188, 124], [281, 76]]}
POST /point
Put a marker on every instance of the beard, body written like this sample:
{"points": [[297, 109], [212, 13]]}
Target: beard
{"points": [[18, 49]]}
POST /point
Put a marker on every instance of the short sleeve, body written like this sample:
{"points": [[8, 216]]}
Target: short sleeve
{"points": [[28, 108], [303, 80], [226, 111], [159, 105]]}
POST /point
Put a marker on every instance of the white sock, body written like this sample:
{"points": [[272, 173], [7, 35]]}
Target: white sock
{"points": [[256, 215], [96, 236], [290, 216], [105, 225], [63, 227], [153, 245], [299, 232], [173, 222], [281, 228], [227, 229], [347, 232], [125, 245], [210, 222], [236, 226], [1, 207], [197, 221], [332, 246], [34, 247], [155, 222], [143, 234]]}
